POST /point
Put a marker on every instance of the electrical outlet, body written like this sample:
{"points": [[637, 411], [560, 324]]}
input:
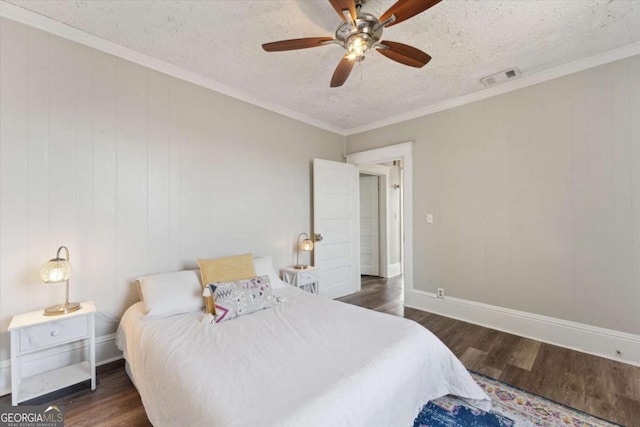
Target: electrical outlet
{"points": [[440, 293]]}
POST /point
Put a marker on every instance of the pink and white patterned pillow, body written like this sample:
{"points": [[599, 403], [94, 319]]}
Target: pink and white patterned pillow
{"points": [[240, 297]]}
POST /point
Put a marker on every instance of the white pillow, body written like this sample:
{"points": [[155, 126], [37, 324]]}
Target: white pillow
{"points": [[264, 267], [171, 293]]}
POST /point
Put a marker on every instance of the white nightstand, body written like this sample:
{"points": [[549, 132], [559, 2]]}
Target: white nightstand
{"points": [[34, 332], [306, 279]]}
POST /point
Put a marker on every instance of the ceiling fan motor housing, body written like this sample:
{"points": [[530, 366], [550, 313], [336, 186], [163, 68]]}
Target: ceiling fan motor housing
{"points": [[366, 33]]}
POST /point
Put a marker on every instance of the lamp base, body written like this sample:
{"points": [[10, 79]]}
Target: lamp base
{"points": [[300, 266], [59, 309]]}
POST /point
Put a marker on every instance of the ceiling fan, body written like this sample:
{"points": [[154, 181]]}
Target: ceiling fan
{"points": [[361, 32]]}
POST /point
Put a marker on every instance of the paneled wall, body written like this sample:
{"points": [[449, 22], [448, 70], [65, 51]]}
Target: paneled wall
{"points": [[136, 173], [536, 196]]}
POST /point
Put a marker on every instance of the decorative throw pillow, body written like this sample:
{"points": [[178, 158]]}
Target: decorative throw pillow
{"points": [[240, 297], [225, 269]]}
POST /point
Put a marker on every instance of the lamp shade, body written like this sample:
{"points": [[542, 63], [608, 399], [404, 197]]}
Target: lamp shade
{"points": [[306, 245], [56, 270]]}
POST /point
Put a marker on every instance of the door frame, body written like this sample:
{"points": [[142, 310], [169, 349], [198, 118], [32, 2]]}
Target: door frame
{"points": [[382, 172], [389, 153]]}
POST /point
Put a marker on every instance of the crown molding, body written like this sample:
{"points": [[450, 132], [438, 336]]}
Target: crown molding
{"points": [[539, 77], [44, 23]]}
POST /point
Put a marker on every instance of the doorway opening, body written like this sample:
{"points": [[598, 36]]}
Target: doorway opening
{"points": [[398, 274], [381, 219]]}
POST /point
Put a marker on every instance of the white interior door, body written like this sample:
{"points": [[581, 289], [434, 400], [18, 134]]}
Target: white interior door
{"points": [[369, 226], [335, 218]]}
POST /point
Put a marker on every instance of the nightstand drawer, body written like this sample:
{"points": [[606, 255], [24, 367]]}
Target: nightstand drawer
{"points": [[53, 333], [306, 278]]}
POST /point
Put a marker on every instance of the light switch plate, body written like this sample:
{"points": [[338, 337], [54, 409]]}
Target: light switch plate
{"points": [[429, 218]]}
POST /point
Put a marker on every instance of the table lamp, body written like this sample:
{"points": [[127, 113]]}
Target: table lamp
{"points": [[306, 245], [58, 270]]}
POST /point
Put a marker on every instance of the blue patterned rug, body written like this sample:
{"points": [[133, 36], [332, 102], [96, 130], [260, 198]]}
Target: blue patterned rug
{"points": [[511, 407]]}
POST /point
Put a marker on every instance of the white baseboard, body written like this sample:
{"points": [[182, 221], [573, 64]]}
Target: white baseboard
{"points": [[394, 270], [106, 351], [576, 336]]}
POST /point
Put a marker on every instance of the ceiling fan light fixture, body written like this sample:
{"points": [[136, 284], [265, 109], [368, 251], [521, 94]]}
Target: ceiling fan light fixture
{"points": [[357, 45]]}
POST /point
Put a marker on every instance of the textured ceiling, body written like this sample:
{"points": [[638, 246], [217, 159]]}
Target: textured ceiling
{"points": [[468, 40]]}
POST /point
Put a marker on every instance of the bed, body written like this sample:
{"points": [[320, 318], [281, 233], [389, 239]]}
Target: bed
{"points": [[308, 361]]}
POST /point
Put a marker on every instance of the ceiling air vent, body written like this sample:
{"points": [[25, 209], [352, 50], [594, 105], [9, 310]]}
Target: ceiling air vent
{"points": [[501, 77]]}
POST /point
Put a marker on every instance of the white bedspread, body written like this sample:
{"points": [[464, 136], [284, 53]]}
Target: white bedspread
{"points": [[307, 362]]}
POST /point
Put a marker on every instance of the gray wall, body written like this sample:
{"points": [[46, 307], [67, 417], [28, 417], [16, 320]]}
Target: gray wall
{"points": [[536, 196], [394, 211], [136, 172]]}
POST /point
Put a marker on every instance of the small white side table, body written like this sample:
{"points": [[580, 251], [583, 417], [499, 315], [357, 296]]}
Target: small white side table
{"points": [[305, 279], [33, 333]]}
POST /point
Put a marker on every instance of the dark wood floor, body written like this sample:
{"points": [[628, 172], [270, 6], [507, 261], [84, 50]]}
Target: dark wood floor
{"points": [[601, 387]]}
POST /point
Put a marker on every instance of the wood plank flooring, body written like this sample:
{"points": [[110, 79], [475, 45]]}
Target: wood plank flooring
{"points": [[601, 387]]}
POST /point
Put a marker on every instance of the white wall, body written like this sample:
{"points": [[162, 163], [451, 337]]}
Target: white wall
{"points": [[136, 173], [536, 196]]}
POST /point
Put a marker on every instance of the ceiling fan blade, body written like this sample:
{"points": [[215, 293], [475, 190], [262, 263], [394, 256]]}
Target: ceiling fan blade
{"points": [[404, 54], [340, 5], [342, 72], [295, 44], [405, 9]]}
